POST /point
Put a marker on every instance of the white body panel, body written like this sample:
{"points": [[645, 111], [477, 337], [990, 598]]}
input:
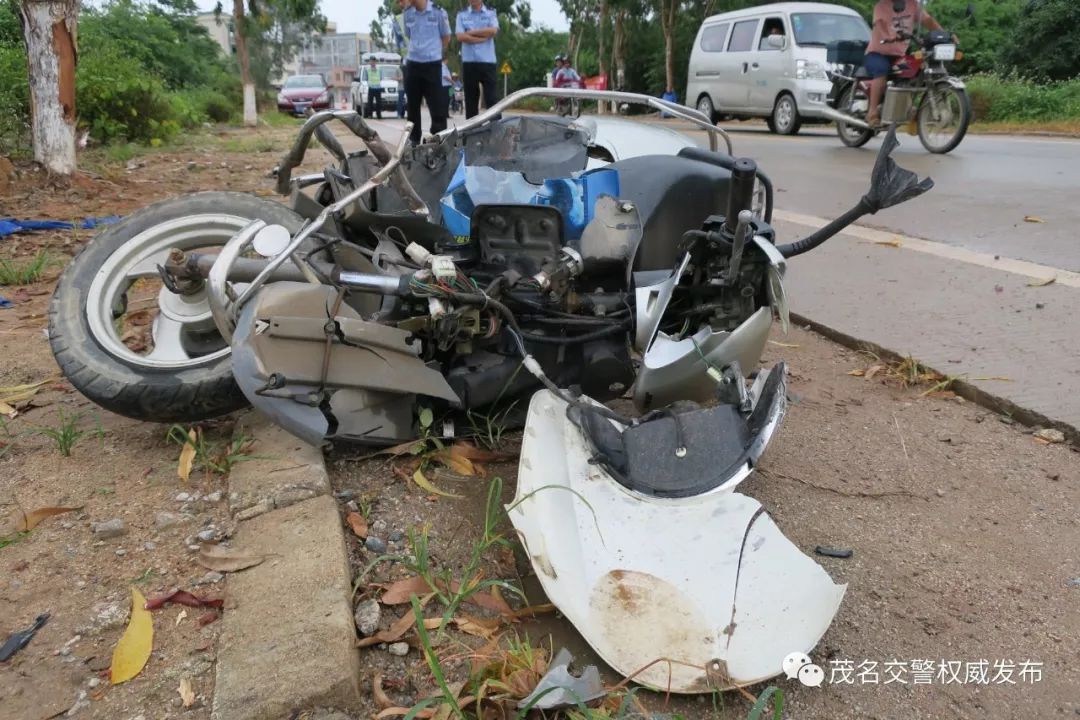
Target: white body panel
{"points": [[696, 581]]}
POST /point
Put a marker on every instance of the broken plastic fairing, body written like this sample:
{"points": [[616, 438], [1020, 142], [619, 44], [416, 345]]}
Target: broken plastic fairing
{"points": [[706, 581]]}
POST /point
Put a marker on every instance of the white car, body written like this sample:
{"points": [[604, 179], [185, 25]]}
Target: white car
{"points": [[391, 85]]}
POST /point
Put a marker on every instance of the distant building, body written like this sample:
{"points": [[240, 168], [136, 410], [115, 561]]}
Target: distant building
{"points": [[217, 25], [335, 55]]}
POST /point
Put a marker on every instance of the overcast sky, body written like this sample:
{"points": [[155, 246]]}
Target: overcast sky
{"points": [[350, 18]]}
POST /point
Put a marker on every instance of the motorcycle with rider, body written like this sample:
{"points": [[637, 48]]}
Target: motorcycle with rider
{"points": [[901, 77]]}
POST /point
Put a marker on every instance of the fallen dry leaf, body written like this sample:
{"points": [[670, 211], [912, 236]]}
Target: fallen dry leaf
{"points": [[459, 464], [421, 480], [381, 698], [783, 344], [1043, 283], [135, 645], [889, 243], [475, 454], [402, 711], [872, 371], [480, 627], [187, 693], [1033, 219], [30, 520], [207, 617], [14, 394], [858, 372], [223, 559], [413, 447], [396, 631], [187, 456], [8, 411], [182, 597], [180, 617], [358, 524], [402, 591]]}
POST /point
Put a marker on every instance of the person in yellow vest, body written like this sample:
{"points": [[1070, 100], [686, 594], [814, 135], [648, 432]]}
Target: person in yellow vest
{"points": [[402, 43]]}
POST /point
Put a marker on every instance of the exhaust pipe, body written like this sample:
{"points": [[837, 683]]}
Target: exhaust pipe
{"points": [[840, 117]]}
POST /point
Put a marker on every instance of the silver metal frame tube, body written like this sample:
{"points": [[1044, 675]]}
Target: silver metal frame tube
{"points": [[679, 111]]}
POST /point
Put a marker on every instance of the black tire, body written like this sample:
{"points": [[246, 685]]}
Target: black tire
{"points": [[706, 108], [770, 124], [964, 105], [142, 392], [851, 136], [785, 116]]}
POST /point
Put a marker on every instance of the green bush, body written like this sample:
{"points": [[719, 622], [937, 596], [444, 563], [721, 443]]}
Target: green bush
{"points": [[14, 98], [1008, 99], [117, 99]]}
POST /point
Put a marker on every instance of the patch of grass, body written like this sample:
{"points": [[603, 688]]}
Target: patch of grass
{"points": [[24, 273], [6, 540], [148, 575], [1007, 99], [67, 433], [273, 118], [246, 145], [490, 428], [214, 456]]}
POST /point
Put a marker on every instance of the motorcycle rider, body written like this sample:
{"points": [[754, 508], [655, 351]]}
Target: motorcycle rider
{"points": [[894, 22]]}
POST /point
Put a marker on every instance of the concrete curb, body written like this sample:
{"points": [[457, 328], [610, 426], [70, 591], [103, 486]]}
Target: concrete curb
{"points": [[288, 640], [961, 387]]}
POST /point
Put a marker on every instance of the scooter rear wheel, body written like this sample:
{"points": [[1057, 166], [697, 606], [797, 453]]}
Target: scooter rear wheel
{"points": [[128, 343], [851, 135]]}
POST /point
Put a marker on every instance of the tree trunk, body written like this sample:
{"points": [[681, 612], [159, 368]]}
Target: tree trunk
{"points": [[50, 29], [239, 28], [618, 49], [667, 20], [601, 59]]}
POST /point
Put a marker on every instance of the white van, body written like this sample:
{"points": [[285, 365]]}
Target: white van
{"points": [[769, 61]]}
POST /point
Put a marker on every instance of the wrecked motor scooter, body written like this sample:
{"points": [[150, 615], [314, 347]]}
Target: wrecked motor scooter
{"points": [[502, 257]]}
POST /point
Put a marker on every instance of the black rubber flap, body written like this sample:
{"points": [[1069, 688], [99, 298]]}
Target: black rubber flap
{"points": [[717, 441], [714, 439]]}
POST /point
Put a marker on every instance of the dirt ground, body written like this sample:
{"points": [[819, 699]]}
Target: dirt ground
{"points": [[964, 528], [964, 534]]}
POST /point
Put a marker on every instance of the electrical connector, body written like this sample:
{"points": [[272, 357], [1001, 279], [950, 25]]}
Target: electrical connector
{"points": [[443, 267], [436, 308], [716, 375], [418, 254]]}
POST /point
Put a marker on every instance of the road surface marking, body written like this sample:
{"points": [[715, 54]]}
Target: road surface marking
{"points": [[948, 252]]}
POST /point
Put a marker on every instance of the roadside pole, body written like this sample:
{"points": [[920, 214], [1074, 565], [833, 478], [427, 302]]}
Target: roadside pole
{"points": [[505, 70]]}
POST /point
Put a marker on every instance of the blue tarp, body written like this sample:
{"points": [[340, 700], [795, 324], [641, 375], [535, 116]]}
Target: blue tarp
{"points": [[10, 226]]}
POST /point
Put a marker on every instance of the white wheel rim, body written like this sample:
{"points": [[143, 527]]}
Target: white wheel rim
{"points": [[177, 314]]}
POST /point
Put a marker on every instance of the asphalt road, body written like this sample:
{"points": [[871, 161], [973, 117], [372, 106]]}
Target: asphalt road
{"points": [[983, 189]]}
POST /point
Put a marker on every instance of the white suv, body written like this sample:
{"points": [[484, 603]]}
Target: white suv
{"points": [[391, 81]]}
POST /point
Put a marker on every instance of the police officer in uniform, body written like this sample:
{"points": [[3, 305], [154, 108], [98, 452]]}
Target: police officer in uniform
{"points": [[427, 29]]}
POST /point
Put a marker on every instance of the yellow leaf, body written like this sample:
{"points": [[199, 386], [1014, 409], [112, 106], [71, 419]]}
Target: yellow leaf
{"points": [[455, 462], [30, 520], [857, 372], [480, 627], [872, 371], [187, 693], [1033, 219], [7, 410], [425, 484], [187, 456], [1043, 283], [136, 644], [889, 243]]}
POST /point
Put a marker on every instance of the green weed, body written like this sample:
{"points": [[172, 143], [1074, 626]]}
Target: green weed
{"points": [[214, 456], [6, 540], [67, 433], [24, 273]]}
